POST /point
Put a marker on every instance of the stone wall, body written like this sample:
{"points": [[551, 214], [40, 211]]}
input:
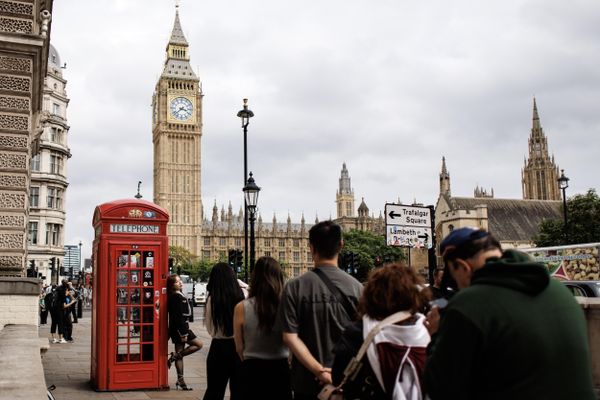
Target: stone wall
{"points": [[19, 301]]}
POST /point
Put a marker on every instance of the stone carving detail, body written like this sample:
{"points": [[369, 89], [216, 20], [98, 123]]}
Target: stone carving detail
{"points": [[10, 263], [16, 8], [15, 63], [13, 181], [14, 83], [14, 122], [16, 25], [13, 161], [14, 142], [12, 200], [17, 103], [12, 221], [11, 241]]}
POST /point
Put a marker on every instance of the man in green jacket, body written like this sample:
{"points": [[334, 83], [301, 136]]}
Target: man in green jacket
{"points": [[511, 331]]}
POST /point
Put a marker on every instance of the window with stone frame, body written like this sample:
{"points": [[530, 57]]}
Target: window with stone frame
{"points": [[296, 256], [34, 196], [54, 197], [35, 162], [267, 242], [309, 256], [32, 234], [267, 253], [296, 271], [281, 256], [296, 242], [222, 241], [56, 162], [56, 109], [207, 241], [281, 242], [55, 135], [53, 234], [238, 242]]}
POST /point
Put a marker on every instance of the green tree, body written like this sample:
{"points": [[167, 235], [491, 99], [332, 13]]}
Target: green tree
{"points": [[182, 258], [369, 247], [200, 269], [583, 222]]}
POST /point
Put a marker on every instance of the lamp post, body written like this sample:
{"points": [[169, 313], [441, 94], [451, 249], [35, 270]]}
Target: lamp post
{"points": [[245, 114], [563, 184], [80, 269], [251, 195]]}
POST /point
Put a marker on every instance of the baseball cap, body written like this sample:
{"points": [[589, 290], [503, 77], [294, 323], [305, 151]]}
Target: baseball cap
{"points": [[459, 237]]}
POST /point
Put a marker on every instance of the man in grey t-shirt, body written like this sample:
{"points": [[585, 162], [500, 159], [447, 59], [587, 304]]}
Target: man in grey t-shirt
{"points": [[313, 319]]}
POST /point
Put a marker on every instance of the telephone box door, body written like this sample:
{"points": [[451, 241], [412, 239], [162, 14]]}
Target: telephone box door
{"points": [[134, 317]]}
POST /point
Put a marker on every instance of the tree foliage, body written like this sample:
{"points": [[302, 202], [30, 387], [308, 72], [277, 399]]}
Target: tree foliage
{"points": [[369, 246], [583, 223]]}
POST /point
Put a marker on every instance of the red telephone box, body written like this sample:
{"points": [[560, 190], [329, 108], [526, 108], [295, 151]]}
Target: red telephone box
{"points": [[129, 313]]}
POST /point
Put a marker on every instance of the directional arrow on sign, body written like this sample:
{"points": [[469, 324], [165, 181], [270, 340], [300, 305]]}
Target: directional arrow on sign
{"points": [[423, 236], [392, 214]]}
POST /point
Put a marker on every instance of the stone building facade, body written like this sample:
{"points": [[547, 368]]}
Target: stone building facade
{"points": [[24, 46], [47, 191], [539, 174]]}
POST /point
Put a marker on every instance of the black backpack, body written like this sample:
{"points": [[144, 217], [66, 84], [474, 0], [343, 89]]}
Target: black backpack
{"points": [[51, 300]]}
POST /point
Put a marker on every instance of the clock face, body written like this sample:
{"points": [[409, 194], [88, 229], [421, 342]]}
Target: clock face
{"points": [[181, 108]]}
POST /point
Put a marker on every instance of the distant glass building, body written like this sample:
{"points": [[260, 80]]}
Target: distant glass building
{"points": [[72, 260]]}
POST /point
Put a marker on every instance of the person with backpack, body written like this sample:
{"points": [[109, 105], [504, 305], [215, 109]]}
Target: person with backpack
{"points": [[56, 314]]}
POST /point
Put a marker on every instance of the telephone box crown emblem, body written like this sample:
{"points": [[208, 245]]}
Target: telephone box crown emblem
{"points": [[135, 213]]}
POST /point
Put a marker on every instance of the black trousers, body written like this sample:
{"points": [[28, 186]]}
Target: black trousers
{"points": [[57, 321], [222, 366], [68, 326], [265, 380], [43, 316]]}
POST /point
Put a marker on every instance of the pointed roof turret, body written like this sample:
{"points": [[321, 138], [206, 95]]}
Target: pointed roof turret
{"points": [[177, 64], [537, 127], [177, 36], [444, 169]]}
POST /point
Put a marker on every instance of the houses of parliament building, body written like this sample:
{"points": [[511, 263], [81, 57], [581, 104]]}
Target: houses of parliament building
{"points": [[176, 136]]}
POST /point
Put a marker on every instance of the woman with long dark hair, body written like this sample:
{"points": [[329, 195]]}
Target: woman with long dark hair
{"points": [[179, 313], [222, 363], [259, 340]]}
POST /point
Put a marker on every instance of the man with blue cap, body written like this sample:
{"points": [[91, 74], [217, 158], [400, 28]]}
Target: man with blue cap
{"points": [[510, 332]]}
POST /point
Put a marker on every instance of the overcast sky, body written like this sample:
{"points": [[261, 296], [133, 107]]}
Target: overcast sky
{"points": [[387, 86]]}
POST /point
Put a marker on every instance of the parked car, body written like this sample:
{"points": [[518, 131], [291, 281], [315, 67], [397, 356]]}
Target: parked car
{"points": [[583, 288], [200, 293]]}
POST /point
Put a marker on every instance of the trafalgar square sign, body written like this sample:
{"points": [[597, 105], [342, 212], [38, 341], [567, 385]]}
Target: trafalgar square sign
{"points": [[408, 226]]}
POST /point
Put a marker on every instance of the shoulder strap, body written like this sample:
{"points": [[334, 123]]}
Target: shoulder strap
{"points": [[337, 292], [355, 363]]}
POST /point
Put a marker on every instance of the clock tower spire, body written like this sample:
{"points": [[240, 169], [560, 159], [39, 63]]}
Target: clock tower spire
{"points": [[176, 134]]}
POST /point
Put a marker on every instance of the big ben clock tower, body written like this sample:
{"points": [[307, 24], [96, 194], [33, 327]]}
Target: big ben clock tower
{"points": [[176, 133]]}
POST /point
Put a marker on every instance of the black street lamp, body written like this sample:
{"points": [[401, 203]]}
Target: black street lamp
{"points": [[251, 195], [563, 184], [80, 269], [245, 114]]}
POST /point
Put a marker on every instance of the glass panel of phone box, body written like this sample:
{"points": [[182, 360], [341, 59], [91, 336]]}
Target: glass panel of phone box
{"points": [[135, 306]]}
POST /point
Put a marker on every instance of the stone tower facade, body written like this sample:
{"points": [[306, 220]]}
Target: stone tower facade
{"points": [[539, 174], [47, 191], [25, 30], [176, 134], [344, 197]]}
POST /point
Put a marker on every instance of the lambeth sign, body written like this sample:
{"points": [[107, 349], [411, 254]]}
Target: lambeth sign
{"points": [[408, 226], [128, 228]]}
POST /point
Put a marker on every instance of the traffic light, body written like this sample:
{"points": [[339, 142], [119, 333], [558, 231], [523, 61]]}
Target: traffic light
{"points": [[353, 263], [231, 254], [53, 263], [239, 260], [31, 270], [170, 265]]}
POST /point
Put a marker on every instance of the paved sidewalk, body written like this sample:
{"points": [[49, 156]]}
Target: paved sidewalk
{"points": [[68, 367]]}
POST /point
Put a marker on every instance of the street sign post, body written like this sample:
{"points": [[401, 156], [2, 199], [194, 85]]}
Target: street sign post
{"points": [[408, 226]]}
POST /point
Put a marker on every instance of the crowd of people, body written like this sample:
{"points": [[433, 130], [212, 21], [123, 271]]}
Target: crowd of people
{"points": [[493, 325], [64, 304]]}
